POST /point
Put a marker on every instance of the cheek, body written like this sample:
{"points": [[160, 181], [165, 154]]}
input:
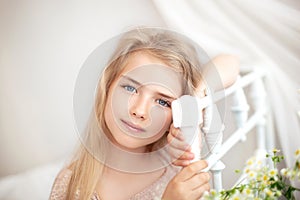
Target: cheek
{"points": [[119, 104], [160, 120], [162, 128], [108, 116], [114, 106]]}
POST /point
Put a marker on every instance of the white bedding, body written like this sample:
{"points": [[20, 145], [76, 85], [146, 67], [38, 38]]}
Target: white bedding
{"points": [[34, 184]]}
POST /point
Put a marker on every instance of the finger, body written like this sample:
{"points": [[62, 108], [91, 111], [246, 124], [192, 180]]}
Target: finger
{"points": [[189, 171], [175, 153], [181, 163], [177, 133], [198, 180], [180, 154], [179, 144], [198, 192]]}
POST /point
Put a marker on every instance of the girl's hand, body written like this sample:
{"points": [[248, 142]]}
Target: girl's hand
{"points": [[189, 183], [179, 150]]}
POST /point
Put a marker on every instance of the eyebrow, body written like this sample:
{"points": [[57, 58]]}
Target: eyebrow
{"points": [[132, 80], [166, 96], [138, 83]]}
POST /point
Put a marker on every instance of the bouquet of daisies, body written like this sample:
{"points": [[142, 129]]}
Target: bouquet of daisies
{"points": [[261, 181]]}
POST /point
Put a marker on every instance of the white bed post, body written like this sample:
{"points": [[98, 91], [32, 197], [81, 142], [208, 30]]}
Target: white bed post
{"points": [[240, 107], [258, 95], [217, 175], [213, 131]]}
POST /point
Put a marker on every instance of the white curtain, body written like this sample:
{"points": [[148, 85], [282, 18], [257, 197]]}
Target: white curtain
{"points": [[264, 34]]}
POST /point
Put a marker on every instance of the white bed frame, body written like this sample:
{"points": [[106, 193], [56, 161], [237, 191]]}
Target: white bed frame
{"points": [[240, 108]]}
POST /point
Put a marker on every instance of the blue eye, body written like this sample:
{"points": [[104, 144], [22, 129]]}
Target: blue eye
{"points": [[164, 103], [130, 89]]}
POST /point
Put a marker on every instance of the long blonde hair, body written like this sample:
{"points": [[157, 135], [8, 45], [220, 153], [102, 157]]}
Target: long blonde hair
{"points": [[174, 50]]}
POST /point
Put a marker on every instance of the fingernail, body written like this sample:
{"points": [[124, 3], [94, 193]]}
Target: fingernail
{"points": [[191, 155], [181, 137], [186, 163]]}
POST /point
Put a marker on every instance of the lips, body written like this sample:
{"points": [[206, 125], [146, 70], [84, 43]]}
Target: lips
{"points": [[132, 127]]}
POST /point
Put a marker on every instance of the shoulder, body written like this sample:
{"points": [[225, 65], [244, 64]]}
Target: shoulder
{"points": [[156, 189], [60, 185]]}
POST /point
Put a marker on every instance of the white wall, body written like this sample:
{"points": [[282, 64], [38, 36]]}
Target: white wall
{"points": [[42, 46]]}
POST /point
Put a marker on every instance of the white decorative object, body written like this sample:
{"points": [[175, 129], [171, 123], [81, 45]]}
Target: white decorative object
{"points": [[187, 115]]}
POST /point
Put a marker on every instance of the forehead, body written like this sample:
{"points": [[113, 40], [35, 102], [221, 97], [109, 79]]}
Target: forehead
{"points": [[147, 69]]}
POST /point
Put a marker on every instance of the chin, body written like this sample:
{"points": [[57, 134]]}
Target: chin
{"points": [[131, 144]]}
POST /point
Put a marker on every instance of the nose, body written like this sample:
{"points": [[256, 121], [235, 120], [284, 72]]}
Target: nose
{"points": [[139, 107]]}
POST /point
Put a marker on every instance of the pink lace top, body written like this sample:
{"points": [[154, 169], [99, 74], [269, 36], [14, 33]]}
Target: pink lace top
{"points": [[153, 191]]}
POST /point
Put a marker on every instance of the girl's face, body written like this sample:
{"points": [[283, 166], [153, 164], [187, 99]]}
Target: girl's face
{"points": [[138, 108]]}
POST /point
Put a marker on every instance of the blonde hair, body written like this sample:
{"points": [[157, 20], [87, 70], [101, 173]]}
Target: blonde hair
{"points": [[174, 50]]}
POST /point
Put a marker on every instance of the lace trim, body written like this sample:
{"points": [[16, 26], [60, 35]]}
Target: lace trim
{"points": [[153, 191]]}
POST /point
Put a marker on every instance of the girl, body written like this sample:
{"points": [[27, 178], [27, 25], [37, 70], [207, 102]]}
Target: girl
{"points": [[123, 152]]}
